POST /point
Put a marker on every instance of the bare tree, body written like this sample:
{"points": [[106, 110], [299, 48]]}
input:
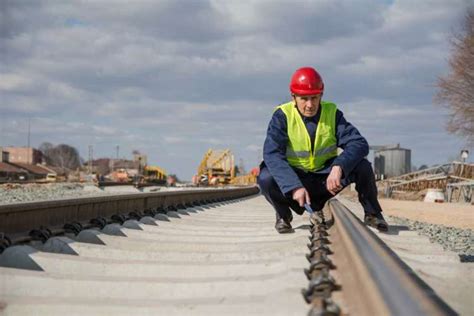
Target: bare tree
{"points": [[456, 89], [62, 155], [44, 147]]}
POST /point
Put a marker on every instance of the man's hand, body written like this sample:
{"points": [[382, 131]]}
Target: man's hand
{"points": [[333, 182], [301, 196]]}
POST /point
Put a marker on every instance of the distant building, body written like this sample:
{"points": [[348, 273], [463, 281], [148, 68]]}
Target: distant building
{"points": [[9, 173], [392, 162], [4, 155], [100, 166], [116, 164], [141, 159], [27, 155], [36, 172]]}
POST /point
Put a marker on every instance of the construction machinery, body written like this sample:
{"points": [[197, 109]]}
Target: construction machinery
{"points": [[119, 175], [154, 174], [246, 179], [216, 168]]}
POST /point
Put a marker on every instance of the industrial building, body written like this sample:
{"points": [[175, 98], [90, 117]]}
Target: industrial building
{"points": [[23, 164], [391, 161], [142, 159], [28, 155], [37, 172], [9, 173], [4, 155]]}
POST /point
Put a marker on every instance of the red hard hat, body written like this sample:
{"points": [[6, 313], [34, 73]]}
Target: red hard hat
{"points": [[306, 81]]}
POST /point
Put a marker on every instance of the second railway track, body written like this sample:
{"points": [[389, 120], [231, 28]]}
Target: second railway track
{"points": [[171, 256]]}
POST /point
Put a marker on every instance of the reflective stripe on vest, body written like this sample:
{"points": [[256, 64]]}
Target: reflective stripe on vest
{"points": [[327, 150], [298, 152]]}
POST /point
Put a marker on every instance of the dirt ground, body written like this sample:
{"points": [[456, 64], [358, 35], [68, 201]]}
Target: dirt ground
{"points": [[448, 214]]}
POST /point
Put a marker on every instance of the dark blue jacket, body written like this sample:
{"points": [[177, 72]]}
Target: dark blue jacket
{"points": [[274, 150]]}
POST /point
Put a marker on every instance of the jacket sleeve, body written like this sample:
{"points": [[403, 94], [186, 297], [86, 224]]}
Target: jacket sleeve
{"points": [[274, 154], [355, 146]]}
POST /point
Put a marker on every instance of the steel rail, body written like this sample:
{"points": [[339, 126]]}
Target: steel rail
{"points": [[18, 220], [391, 286]]}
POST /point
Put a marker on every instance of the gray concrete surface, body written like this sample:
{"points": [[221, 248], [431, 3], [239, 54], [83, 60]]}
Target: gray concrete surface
{"points": [[441, 269], [225, 260]]}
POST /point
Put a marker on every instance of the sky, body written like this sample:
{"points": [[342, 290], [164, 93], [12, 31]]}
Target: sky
{"points": [[175, 78]]}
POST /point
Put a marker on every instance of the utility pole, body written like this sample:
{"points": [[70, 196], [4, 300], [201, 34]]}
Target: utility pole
{"points": [[242, 170], [90, 159], [29, 134], [28, 155], [117, 149]]}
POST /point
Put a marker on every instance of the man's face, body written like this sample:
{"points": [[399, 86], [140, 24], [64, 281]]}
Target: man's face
{"points": [[307, 104]]}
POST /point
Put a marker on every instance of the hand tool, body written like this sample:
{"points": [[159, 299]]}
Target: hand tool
{"points": [[308, 208], [314, 217]]}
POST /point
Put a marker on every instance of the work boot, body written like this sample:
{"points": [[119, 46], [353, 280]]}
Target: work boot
{"points": [[376, 221], [283, 226]]}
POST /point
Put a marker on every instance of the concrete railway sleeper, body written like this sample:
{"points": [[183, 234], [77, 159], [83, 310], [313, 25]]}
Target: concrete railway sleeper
{"points": [[224, 252], [173, 264]]}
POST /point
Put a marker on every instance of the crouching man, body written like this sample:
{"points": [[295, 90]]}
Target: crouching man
{"points": [[301, 164]]}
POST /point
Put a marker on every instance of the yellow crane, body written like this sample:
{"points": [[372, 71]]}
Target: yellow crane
{"points": [[217, 167]]}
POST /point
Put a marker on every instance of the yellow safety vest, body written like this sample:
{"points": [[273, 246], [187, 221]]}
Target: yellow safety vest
{"points": [[298, 150]]}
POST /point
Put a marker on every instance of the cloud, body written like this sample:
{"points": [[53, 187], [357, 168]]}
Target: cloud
{"points": [[14, 82], [254, 147], [174, 140], [175, 78]]}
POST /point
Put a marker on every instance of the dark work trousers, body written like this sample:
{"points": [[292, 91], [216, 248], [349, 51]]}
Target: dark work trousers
{"points": [[315, 184]]}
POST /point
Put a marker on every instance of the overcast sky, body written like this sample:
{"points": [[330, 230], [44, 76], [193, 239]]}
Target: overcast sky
{"points": [[174, 78]]}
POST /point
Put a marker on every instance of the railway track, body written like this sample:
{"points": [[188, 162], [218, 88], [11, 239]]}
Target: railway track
{"points": [[201, 252], [368, 278]]}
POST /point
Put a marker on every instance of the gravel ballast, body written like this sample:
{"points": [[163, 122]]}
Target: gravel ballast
{"points": [[17, 193], [454, 239]]}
